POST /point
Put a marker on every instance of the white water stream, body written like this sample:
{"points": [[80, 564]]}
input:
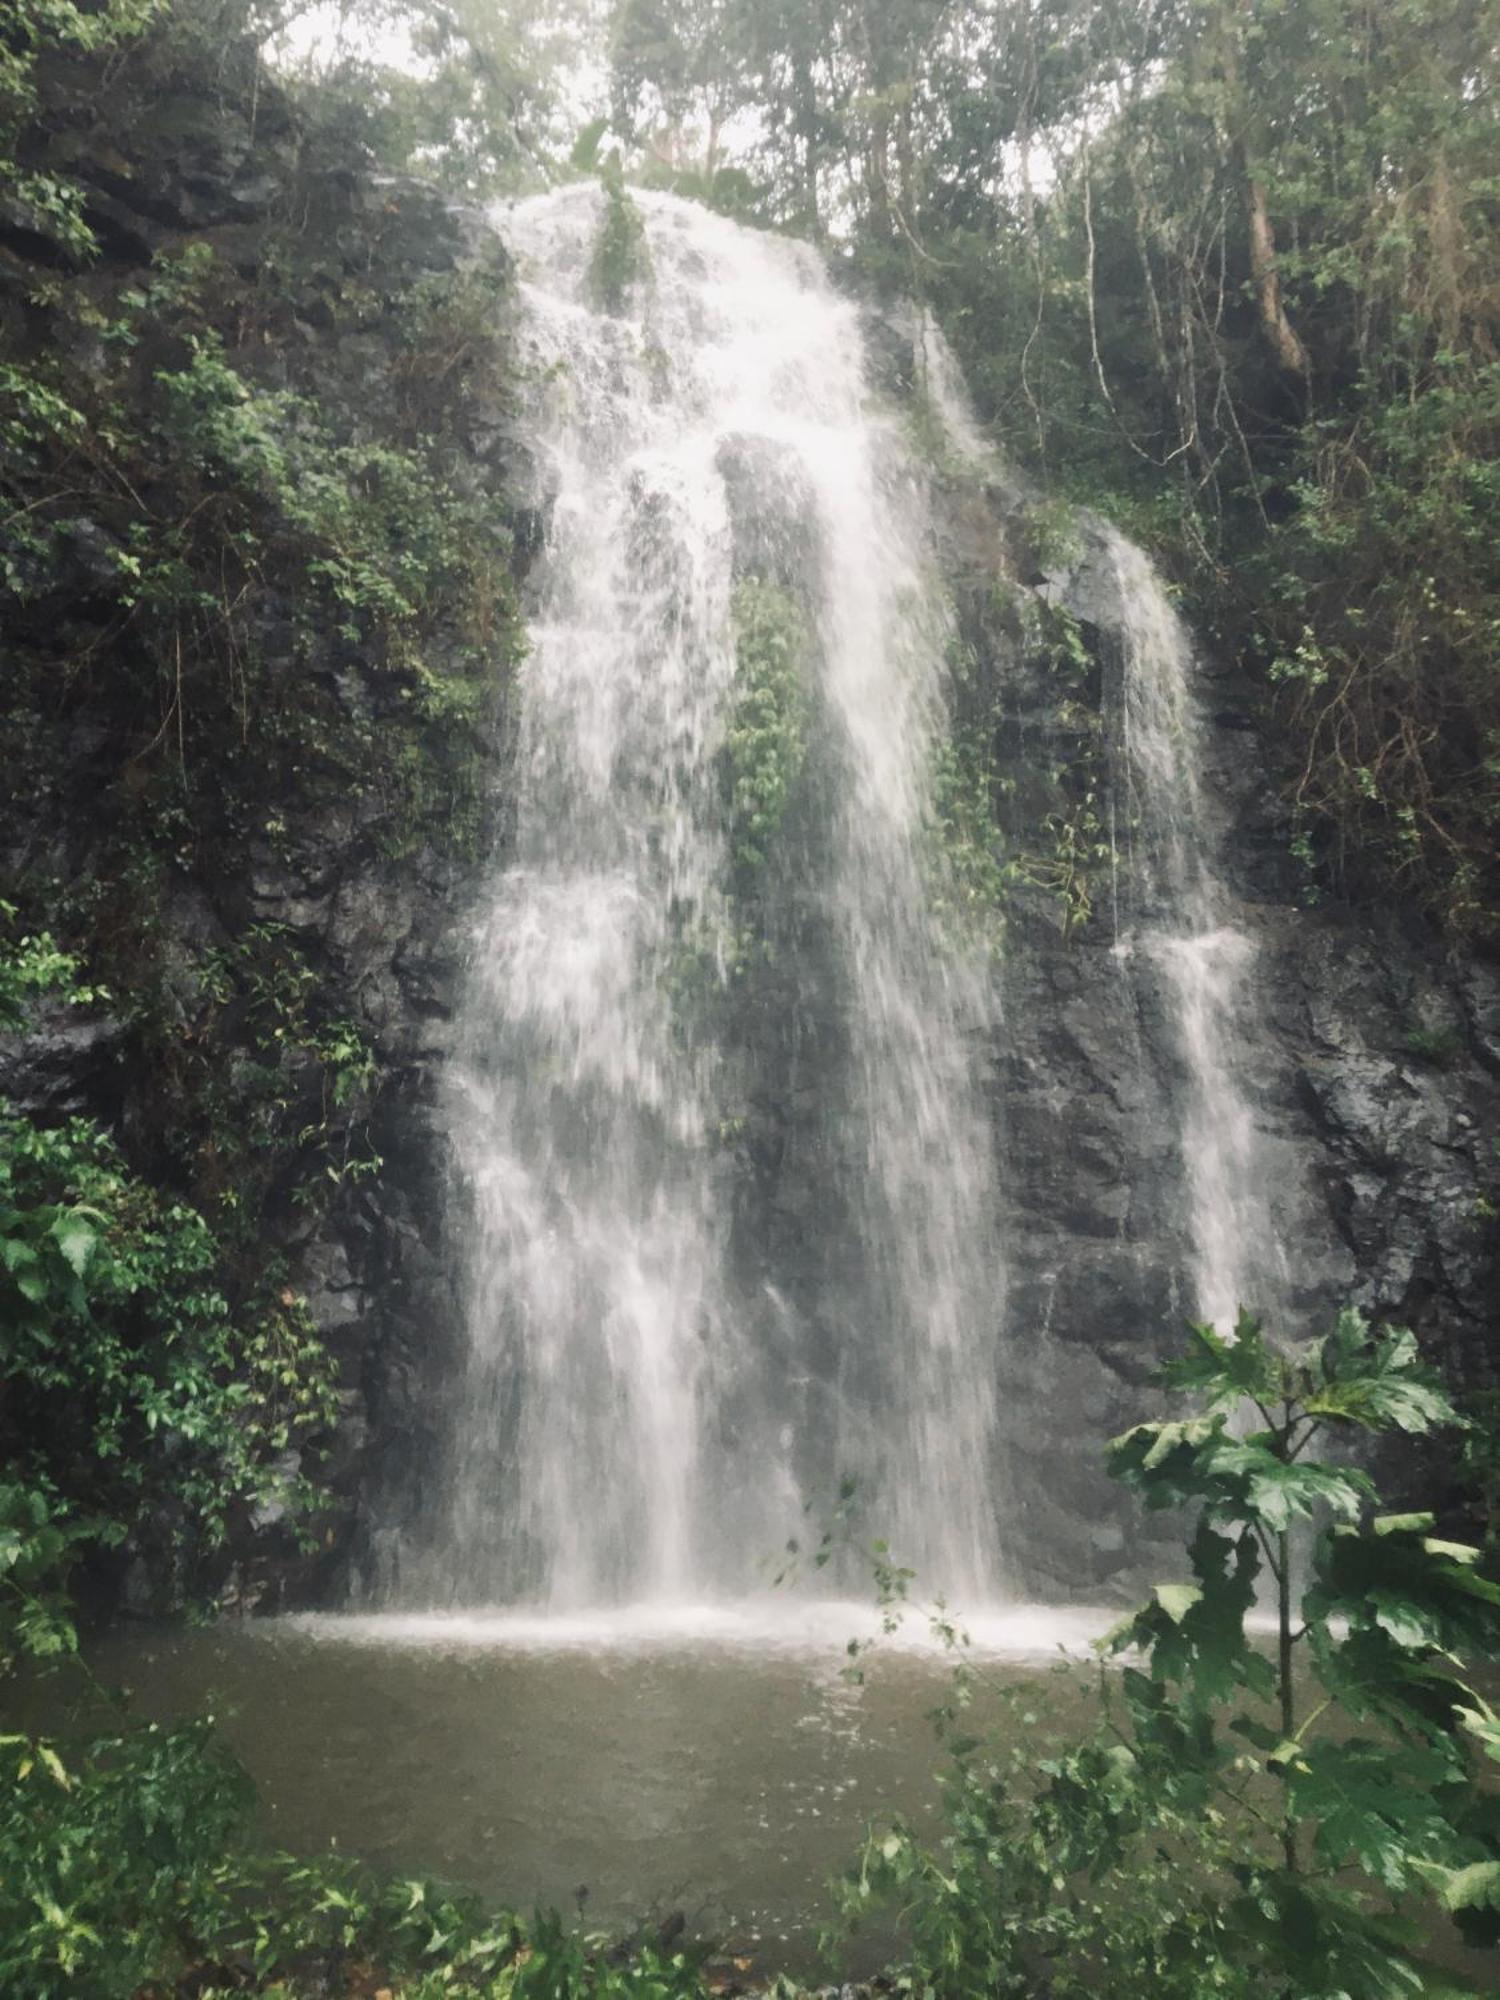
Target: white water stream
{"points": [[620, 1435], [627, 1433], [1178, 906], [1173, 910]]}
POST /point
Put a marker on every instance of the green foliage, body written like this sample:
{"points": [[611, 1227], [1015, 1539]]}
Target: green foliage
{"points": [[104, 1853], [471, 96], [140, 1404], [50, 203], [1004, 830], [1440, 1045], [620, 260], [32, 967], [1311, 446], [251, 537], [1051, 533], [137, 1406], [765, 735], [40, 1541], [1243, 1821], [972, 875], [372, 539], [133, 1390], [290, 1113], [130, 1862]]}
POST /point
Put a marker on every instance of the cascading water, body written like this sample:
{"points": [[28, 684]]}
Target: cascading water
{"points": [[1177, 908], [1171, 912], [621, 1433]]}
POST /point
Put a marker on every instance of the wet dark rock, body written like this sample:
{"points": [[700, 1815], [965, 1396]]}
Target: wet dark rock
{"points": [[1084, 582], [67, 1063], [376, 920], [1372, 1065], [771, 510]]}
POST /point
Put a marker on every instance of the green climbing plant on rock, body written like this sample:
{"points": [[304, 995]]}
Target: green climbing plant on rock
{"points": [[765, 739], [620, 257]]}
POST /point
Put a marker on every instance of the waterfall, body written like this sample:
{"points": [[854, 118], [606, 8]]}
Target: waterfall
{"points": [[623, 1431], [1171, 921], [1179, 924]]}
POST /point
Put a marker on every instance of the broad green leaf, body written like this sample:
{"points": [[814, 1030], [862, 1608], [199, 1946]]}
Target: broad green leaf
{"points": [[1471, 1896], [1177, 1599], [1194, 1634], [1484, 1726], [1276, 1493], [1227, 1367], [1474, 1887], [31, 1285], [1378, 1382], [1165, 1462], [1406, 1585], [1401, 1524], [1408, 1622], [1313, 1938], [1459, 1552], [77, 1241], [54, 1766], [1375, 1804]]}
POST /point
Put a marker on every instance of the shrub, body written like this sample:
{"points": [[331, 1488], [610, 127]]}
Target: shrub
{"points": [[1242, 1821]]}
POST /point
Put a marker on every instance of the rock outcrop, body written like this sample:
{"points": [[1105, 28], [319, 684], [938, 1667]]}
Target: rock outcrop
{"points": [[318, 269], [1367, 1053]]}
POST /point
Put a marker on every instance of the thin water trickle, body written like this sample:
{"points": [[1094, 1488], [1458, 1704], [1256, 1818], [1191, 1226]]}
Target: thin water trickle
{"points": [[621, 1433], [1173, 908], [1176, 911]]}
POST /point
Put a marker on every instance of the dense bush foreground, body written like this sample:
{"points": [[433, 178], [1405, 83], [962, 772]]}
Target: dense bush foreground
{"points": [[1295, 1819]]}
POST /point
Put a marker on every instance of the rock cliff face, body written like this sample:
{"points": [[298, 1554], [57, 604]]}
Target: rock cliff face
{"points": [[1368, 1057], [338, 844], [1371, 1062]]}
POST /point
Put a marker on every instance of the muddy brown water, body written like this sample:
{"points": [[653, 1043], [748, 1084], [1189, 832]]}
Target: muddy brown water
{"points": [[719, 1762], [714, 1762]]}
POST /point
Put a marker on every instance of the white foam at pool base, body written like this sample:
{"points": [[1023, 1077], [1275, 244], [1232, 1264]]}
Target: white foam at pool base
{"points": [[1021, 1631]]}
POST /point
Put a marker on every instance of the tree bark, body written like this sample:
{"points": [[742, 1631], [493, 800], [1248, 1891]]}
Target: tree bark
{"points": [[1284, 341]]}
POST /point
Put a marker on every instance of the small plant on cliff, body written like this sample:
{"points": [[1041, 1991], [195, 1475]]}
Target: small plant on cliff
{"points": [[48, 203], [620, 257], [1284, 1820], [765, 740], [969, 871]]}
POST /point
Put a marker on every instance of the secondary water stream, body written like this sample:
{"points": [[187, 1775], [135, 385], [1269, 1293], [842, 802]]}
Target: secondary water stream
{"points": [[1169, 900], [1176, 919]]}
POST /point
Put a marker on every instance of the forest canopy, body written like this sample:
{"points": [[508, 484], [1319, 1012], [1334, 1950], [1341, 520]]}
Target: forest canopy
{"points": [[1225, 268]]}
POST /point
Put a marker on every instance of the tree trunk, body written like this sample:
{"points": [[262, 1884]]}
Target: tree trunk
{"points": [[807, 124], [1282, 337]]}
